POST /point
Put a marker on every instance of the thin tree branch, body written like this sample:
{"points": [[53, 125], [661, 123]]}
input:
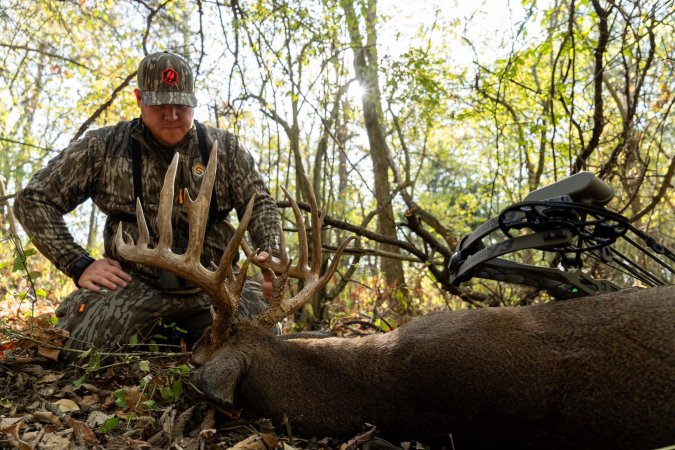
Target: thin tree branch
{"points": [[598, 102], [103, 107], [46, 53], [665, 186]]}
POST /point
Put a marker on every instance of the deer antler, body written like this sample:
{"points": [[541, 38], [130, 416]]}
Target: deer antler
{"points": [[311, 274], [221, 285]]}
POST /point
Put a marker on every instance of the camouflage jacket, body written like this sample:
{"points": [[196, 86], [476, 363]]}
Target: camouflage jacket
{"points": [[99, 166]]}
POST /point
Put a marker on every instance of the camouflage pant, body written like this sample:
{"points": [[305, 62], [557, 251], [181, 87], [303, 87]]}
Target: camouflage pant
{"points": [[107, 320]]}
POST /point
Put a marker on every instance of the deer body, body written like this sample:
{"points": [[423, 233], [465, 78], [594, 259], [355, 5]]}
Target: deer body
{"points": [[597, 372]]}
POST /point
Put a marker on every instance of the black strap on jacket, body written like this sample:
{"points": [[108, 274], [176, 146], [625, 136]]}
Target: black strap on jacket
{"points": [[137, 168]]}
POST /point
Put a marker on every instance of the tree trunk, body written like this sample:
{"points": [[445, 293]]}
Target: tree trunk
{"points": [[93, 228], [366, 68]]}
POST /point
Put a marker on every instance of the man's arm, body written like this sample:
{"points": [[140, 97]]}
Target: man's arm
{"points": [[67, 181]]}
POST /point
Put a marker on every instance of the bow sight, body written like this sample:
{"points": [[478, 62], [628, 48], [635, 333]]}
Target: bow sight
{"points": [[569, 218]]}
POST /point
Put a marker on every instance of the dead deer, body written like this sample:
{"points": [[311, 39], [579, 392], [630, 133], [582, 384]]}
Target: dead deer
{"points": [[589, 373]]}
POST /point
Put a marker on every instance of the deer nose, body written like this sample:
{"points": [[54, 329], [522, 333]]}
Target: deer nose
{"points": [[214, 388]]}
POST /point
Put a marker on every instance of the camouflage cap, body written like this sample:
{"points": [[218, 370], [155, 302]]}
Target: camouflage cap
{"points": [[166, 79]]}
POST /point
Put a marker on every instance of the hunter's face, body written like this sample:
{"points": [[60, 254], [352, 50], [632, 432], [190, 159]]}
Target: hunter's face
{"points": [[168, 123]]}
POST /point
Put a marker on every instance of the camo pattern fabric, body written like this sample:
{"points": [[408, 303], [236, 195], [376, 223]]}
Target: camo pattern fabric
{"points": [[107, 321], [99, 166], [166, 78]]}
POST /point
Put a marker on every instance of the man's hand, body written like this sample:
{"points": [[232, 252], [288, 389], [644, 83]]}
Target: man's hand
{"points": [[104, 273], [268, 276]]}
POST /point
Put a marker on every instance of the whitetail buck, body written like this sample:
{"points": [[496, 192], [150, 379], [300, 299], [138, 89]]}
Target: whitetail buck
{"points": [[590, 373]]}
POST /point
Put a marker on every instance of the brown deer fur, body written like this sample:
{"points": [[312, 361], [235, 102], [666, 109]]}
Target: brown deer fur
{"points": [[596, 372], [590, 373]]}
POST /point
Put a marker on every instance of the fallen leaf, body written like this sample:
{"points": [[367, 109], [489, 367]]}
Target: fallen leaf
{"points": [[134, 398], [181, 421], [47, 417], [48, 352], [263, 441], [6, 422], [91, 400], [82, 431], [56, 442], [49, 377], [360, 440], [167, 421], [97, 418], [67, 405], [13, 428]]}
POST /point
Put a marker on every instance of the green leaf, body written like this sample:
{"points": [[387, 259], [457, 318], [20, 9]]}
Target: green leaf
{"points": [[94, 362], [41, 293], [183, 370], [30, 252], [144, 366], [167, 394], [4, 264], [109, 425], [18, 265], [80, 381], [53, 320], [177, 389], [35, 274], [120, 398], [149, 404], [133, 340]]}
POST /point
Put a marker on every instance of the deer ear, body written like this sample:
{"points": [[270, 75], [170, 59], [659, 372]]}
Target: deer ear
{"points": [[220, 376]]}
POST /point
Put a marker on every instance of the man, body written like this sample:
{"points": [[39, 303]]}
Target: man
{"points": [[115, 165]]}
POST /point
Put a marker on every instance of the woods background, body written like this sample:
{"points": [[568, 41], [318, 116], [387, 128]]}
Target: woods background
{"points": [[442, 111]]}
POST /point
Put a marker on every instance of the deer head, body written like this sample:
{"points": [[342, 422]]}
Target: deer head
{"points": [[224, 284]]}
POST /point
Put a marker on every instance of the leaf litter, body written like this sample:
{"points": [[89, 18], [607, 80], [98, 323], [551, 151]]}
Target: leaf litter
{"points": [[130, 404]]}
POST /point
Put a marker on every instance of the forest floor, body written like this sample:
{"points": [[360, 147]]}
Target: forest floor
{"points": [[143, 400]]}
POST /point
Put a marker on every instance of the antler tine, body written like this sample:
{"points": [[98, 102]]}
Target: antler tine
{"points": [[198, 209], [166, 205], [317, 224], [281, 265], [302, 265], [141, 250], [334, 262], [225, 265], [279, 307], [143, 233]]}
